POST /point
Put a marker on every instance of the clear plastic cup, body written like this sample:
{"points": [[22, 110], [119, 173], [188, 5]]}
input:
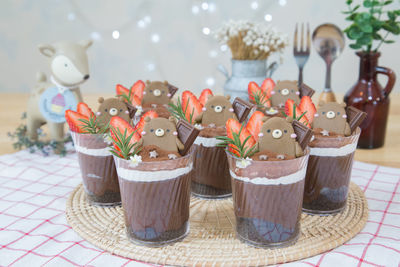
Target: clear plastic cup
{"points": [[328, 173], [211, 177], [99, 174], [267, 199], [156, 197]]}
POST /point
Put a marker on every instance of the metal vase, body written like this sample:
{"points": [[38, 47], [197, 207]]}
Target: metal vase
{"points": [[244, 72]]}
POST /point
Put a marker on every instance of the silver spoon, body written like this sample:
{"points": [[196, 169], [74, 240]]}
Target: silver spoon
{"points": [[329, 42]]}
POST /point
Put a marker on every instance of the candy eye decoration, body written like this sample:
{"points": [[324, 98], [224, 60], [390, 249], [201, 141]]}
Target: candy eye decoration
{"points": [[167, 130], [285, 131], [338, 113], [276, 133], [113, 111], [218, 109], [159, 132], [285, 91], [121, 110], [157, 92], [330, 114], [268, 131], [152, 130]]}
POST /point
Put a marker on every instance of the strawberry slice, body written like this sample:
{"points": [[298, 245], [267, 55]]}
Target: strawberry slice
{"points": [[73, 119], [290, 108], [307, 105], [136, 101], [254, 124], [140, 125], [120, 124], [267, 86], [253, 89], [84, 109], [233, 126], [204, 96], [121, 90], [191, 106], [137, 89]]}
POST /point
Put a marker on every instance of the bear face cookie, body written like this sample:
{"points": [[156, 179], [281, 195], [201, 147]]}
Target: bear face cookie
{"points": [[277, 135], [156, 93], [332, 117], [111, 107], [162, 133], [217, 111], [283, 91]]}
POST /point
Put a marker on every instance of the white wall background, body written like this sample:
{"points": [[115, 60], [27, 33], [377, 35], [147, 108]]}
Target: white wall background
{"points": [[184, 55]]}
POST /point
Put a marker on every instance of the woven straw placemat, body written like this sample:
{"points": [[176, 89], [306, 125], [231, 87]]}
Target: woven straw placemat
{"points": [[212, 241]]}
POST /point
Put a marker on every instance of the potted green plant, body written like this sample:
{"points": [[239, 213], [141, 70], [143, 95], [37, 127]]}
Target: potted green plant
{"points": [[372, 24]]}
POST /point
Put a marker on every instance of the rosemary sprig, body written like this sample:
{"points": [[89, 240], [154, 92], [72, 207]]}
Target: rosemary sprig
{"points": [[295, 115], [179, 112], [260, 98], [127, 98], [237, 145], [91, 126], [123, 147]]}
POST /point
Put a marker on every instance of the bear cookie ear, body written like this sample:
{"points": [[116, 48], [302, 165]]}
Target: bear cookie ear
{"points": [[289, 119], [264, 119], [148, 82], [166, 82], [47, 50], [343, 105], [228, 97], [171, 119], [100, 100]]}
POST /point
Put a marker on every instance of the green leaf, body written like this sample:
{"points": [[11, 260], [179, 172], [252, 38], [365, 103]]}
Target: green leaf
{"points": [[354, 32], [367, 3], [352, 17], [355, 46], [389, 41], [387, 2], [366, 28], [349, 2], [365, 40]]}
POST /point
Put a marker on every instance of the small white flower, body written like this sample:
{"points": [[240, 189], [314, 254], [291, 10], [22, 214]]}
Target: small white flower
{"points": [[243, 163], [135, 160], [107, 139], [199, 126], [139, 110]]}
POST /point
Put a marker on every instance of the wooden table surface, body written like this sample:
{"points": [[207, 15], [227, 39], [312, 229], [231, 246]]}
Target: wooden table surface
{"points": [[13, 105]]}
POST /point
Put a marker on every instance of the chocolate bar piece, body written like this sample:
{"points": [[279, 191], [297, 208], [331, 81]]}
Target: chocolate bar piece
{"points": [[132, 110], [172, 90], [303, 133], [355, 117], [242, 108], [187, 133], [306, 90]]}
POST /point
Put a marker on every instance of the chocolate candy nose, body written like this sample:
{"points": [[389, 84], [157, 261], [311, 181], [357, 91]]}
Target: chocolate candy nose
{"points": [[285, 91], [331, 114], [276, 133], [159, 132], [218, 109], [113, 111], [157, 92]]}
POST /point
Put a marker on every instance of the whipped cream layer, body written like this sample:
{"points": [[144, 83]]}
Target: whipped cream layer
{"points": [[207, 141], [287, 179], [152, 176], [333, 151], [103, 152]]}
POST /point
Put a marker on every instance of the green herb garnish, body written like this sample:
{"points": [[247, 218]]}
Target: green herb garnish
{"points": [[237, 145]]}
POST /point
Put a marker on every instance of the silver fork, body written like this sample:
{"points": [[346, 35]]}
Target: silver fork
{"points": [[302, 53]]}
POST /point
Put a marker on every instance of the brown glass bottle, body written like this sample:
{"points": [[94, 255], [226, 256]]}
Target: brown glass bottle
{"points": [[367, 95]]}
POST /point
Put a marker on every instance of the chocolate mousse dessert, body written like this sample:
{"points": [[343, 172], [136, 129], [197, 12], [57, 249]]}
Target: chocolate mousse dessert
{"points": [[332, 151], [97, 166], [154, 170], [268, 179]]}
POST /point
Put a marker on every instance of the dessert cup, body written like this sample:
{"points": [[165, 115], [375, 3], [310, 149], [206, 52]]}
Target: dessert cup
{"points": [[155, 198], [267, 199], [99, 175], [211, 177], [328, 173]]}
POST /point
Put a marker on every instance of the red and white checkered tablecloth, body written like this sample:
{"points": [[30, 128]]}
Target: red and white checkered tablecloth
{"points": [[34, 231]]}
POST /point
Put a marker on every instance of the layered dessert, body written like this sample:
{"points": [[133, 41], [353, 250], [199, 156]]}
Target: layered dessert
{"points": [[154, 170], [209, 113], [268, 173], [96, 163], [150, 96], [271, 98], [331, 158]]}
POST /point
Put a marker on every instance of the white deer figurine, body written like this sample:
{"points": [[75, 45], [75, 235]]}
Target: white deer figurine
{"points": [[50, 99]]}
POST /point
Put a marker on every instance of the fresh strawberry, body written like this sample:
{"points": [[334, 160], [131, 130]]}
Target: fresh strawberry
{"points": [[204, 96], [267, 86], [140, 125], [138, 89], [120, 124], [136, 101], [84, 109], [73, 119], [121, 90], [291, 108], [254, 124], [191, 105], [253, 89], [233, 126], [306, 105]]}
